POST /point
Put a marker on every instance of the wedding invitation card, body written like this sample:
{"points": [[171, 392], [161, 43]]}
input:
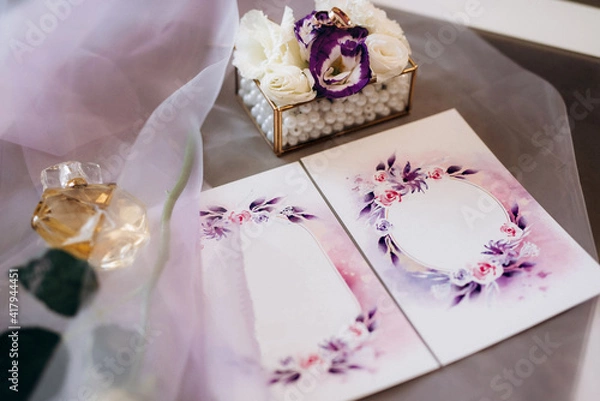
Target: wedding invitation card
{"points": [[320, 323], [470, 257]]}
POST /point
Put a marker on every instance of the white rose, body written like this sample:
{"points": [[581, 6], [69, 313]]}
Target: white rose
{"points": [[287, 84], [387, 55], [261, 43]]}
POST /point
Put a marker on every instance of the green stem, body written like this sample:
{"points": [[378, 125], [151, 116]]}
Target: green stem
{"points": [[165, 240]]}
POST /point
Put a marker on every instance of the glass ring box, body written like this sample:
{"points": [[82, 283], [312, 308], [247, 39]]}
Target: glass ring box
{"points": [[292, 126]]}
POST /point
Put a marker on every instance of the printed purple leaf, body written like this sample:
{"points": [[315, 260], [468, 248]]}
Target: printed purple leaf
{"points": [[266, 209], [515, 210], [360, 318], [297, 209], [526, 265], [354, 367], [204, 213], [460, 177], [372, 312], [391, 160], [292, 378], [256, 203], [309, 216], [511, 273], [406, 169], [369, 197], [217, 209], [294, 219], [395, 259], [383, 244], [469, 171], [380, 166], [274, 200], [273, 380], [458, 299], [453, 169], [366, 210], [372, 326], [522, 223], [476, 290], [336, 370]]}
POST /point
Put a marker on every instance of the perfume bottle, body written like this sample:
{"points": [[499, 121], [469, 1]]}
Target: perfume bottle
{"points": [[89, 219]]}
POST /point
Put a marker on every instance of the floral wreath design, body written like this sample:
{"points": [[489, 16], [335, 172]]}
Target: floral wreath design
{"points": [[336, 356], [217, 220], [501, 258]]}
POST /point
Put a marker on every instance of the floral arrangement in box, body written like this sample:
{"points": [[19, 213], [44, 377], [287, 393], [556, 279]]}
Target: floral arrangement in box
{"points": [[332, 52]]}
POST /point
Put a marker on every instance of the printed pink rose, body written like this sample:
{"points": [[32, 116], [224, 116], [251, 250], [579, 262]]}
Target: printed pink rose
{"points": [[436, 174], [388, 197], [511, 230], [312, 360], [380, 176], [486, 273], [240, 218]]}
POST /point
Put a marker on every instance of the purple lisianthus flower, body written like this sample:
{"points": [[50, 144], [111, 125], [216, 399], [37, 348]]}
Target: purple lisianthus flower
{"points": [[339, 61], [307, 28]]}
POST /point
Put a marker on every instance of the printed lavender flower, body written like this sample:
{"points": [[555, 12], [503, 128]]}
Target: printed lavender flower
{"points": [[339, 61], [383, 226]]}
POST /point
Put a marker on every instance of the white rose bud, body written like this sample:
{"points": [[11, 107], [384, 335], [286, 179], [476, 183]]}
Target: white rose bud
{"points": [[387, 56], [287, 84]]}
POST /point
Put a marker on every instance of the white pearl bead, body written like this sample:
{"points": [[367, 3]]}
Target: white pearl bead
{"points": [[325, 105], [265, 126], [359, 119], [339, 118], [314, 134], [370, 116], [305, 108], [378, 108], [384, 96], [302, 119], [330, 117], [296, 131], [368, 90], [369, 108], [352, 98], [337, 127], [374, 98], [319, 124], [386, 111], [337, 107], [270, 135], [314, 116], [293, 140], [393, 88], [308, 127], [361, 100], [349, 121], [327, 130], [260, 119], [289, 121], [349, 107], [303, 137]]}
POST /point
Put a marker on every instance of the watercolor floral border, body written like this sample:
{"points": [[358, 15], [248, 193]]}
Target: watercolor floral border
{"points": [[351, 350], [500, 258], [216, 221]]}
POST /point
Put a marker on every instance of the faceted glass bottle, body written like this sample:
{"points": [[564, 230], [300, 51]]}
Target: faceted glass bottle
{"points": [[91, 220]]}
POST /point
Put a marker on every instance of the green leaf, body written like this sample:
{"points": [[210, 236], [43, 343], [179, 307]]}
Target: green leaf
{"points": [[60, 281], [25, 354]]}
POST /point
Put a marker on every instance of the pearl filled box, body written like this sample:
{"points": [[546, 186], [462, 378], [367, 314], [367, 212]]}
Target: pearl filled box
{"points": [[329, 73]]}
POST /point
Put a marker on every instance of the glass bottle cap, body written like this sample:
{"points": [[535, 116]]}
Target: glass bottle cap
{"points": [[71, 173]]}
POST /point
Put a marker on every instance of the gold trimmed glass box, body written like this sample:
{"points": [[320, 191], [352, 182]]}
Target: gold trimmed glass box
{"points": [[293, 126]]}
